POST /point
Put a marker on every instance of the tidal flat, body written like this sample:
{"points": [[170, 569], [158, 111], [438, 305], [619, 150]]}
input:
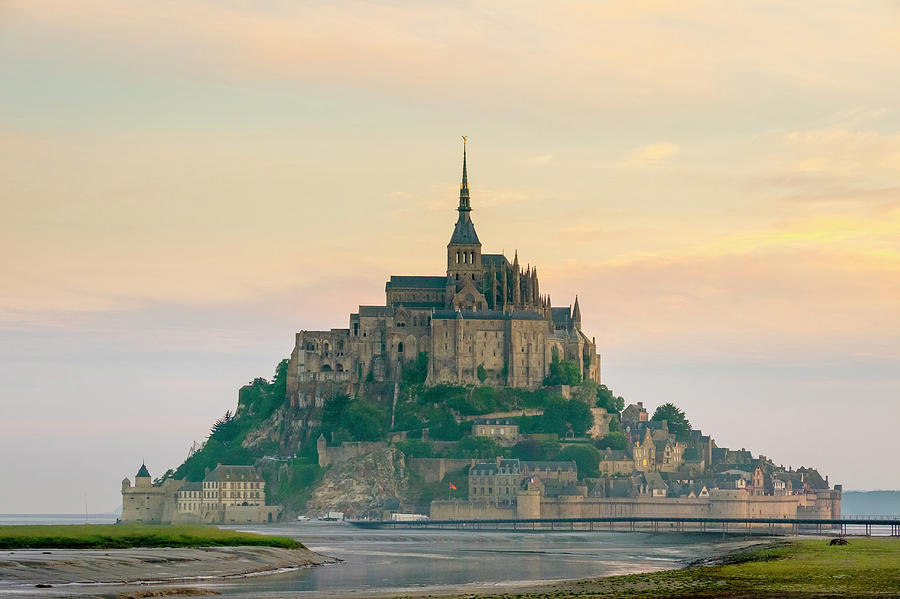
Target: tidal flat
{"points": [[799, 569]]}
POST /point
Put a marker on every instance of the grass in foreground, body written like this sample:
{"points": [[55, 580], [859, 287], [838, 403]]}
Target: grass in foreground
{"points": [[123, 536], [804, 569]]}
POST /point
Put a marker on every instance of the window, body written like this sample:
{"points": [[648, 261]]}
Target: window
{"points": [[400, 347]]}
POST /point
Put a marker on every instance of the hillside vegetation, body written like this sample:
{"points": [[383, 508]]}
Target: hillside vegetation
{"points": [[435, 421]]}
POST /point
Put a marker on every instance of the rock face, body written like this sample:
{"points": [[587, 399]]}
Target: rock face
{"points": [[361, 484], [270, 430]]}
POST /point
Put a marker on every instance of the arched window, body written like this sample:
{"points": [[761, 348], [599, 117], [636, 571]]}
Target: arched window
{"points": [[340, 368], [400, 347], [471, 257], [457, 257]]}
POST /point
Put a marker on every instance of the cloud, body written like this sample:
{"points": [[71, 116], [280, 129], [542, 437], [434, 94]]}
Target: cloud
{"points": [[541, 160], [652, 156]]}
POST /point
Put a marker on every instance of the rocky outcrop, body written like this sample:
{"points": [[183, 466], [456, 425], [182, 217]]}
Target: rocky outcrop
{"points": [[270, 430], [361, 484]]}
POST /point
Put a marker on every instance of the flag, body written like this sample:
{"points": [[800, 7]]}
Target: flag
{"points": [[452, 487]]}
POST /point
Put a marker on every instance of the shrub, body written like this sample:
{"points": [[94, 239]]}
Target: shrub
{"points": [[586, 456]]}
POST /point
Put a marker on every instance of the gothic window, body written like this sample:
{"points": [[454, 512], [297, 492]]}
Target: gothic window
{"points": [[457, 257], [340, 368], [400, 347]]}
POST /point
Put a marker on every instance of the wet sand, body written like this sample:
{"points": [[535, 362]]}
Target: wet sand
{"points": [[24, 569]]}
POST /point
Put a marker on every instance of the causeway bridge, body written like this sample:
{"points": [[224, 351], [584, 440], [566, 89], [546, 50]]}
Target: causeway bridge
{"points": [[849, 525]]}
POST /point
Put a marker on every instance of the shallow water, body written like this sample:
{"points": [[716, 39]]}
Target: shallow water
{"points": [[394, 561]]}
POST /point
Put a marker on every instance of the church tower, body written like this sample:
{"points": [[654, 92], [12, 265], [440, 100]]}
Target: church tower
{"points": [[464, 249]]}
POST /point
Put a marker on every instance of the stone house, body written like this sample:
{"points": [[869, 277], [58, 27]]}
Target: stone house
{"points": [[504, 431], [227, 495], [615, 462], [634, 414]]}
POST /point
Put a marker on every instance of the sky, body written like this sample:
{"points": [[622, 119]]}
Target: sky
{"points": [[184, 185]]}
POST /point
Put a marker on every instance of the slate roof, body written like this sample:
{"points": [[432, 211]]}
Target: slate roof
{"points": [[614, 455], [561, 316], [570, 465], [655, 481], [420, 305], [376, 311], [481, 468], [233, 473], [485, 315], [416, 282], [464, 231], [494, 259], [143, 472], [191, 487]]}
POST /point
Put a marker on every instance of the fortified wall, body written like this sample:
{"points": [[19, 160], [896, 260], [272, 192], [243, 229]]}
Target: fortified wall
{"points": [[719, 504]]}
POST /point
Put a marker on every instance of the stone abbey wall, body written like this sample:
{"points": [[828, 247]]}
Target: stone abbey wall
{"points": [[433, 470]]}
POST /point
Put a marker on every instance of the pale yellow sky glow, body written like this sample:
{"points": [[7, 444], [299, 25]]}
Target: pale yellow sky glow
{"points": [[718, 182]]}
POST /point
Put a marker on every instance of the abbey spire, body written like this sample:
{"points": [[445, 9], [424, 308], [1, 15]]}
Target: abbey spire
{"points": [[464, 186], [464, 231]]}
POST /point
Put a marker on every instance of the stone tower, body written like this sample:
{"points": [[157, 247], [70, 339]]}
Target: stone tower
{"points": [[142, 478], [322, 450], [464, 249]]}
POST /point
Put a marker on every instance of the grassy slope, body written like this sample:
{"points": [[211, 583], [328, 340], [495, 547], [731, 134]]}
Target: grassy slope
{"points": [[803, 569], [110, 536]]}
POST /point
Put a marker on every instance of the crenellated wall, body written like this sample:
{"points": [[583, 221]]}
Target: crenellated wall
{"points": [[720, 504]]}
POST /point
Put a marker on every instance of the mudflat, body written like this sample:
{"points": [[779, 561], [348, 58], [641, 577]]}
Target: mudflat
{"points": [[31, 567]]}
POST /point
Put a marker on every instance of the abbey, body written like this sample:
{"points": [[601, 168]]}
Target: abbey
{"points": [[484, 321]]}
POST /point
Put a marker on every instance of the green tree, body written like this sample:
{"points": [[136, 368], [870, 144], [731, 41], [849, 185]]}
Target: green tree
{"points": [[365, 420], [415, 372], [613, 440], [482, 373], [529, 450], [555, 414], [415, 448], [579, 417], [562, 415], [607, 400], [444, 427], [334, 411], [586, 456], [562, 372], [675, 417], [477, 447]]}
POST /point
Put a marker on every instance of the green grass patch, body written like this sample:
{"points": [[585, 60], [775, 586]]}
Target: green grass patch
{"points": [[122, 536], [802, 569]]}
